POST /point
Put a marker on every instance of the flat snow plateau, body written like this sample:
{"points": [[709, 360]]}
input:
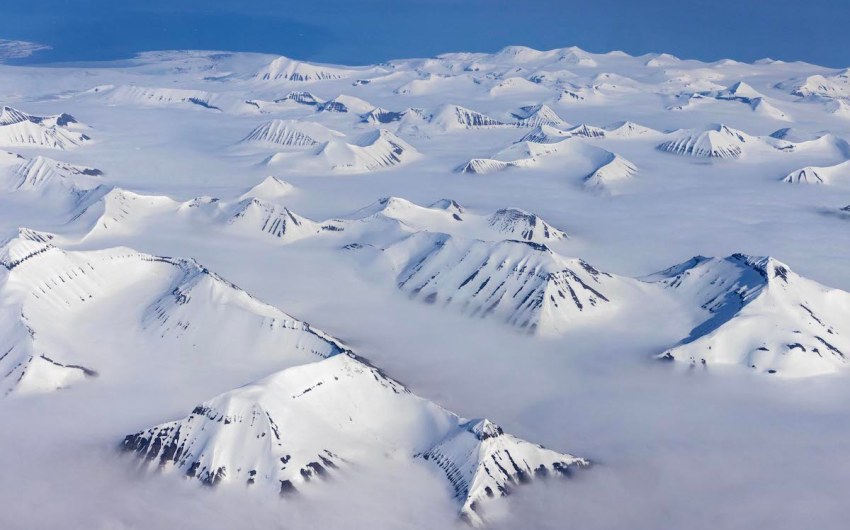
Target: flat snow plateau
{"points": [[529, 289]]}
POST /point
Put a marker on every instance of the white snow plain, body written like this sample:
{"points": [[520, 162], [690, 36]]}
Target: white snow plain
{"points": [[517, 236]]}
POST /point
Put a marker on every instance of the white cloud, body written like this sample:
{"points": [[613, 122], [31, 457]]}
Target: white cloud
{"points": [[18, 49]]}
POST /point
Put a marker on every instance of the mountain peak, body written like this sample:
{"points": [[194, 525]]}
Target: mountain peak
{"points": [[23, 246], [524, 225], [537, 115], [483, 429], [770, 268], [448, 205]]}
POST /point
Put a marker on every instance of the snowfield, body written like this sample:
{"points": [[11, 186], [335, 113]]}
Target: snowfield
{"points": [[246, 291]]}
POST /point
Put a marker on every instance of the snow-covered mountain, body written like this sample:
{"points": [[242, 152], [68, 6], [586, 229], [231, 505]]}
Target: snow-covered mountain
{"points": [[837, 174], [450, 117], [380, 116], [300, 97], [372, 151], [586, 131], [120, 211], [270, 189], [48, 181], [606, 178], [818, 86], [308, 423], [521, 154], [291, 133], [628, 129], [539, 115], [523, 226], [718, 141], [760, 314], [545, 134], [543, 147], [742, 92], [522, 283], [343, 104], [285, 69], [165, 303], [61, 131]]}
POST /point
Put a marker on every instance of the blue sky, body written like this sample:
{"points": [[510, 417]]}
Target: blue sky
{"points": [[367, 31]]}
